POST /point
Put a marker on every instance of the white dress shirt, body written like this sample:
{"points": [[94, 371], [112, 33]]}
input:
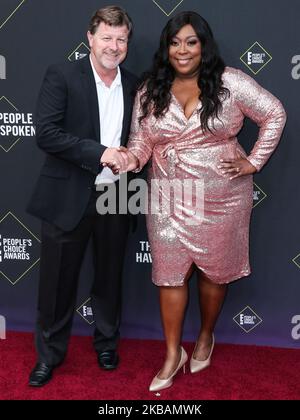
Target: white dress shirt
{"points": [[111, 111]]}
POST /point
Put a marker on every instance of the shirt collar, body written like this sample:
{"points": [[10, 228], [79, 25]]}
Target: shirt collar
{"points": [[98, 80]]}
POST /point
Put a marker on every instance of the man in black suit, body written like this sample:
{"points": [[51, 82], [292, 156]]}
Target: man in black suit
{"points": [[83, 119]]}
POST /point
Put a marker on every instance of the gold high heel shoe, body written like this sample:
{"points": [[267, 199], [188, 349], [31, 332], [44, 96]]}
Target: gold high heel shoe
{"points": [[157, 384], [197, 365]]}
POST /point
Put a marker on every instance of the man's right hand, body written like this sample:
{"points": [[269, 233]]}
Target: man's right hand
{"points": [[119, 161], [128, 161]]}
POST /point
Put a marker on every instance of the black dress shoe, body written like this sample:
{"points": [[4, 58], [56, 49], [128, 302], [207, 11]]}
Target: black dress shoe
{"points": [[108, 359], [41, 374]]}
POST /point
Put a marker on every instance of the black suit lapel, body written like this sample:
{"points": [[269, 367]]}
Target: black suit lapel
{"points": [[90, 91], [128, 104]]}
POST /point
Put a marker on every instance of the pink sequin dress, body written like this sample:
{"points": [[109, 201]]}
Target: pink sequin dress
{"points": [[179, 149]]}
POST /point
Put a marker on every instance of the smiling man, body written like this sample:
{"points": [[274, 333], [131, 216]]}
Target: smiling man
{"points": [[83, 117]]}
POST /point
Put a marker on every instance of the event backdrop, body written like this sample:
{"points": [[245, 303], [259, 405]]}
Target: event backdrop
{"points": [[261, 38]]}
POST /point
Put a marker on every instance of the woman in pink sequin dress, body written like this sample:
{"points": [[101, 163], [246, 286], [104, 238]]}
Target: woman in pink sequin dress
{"points": [[187, 115]]}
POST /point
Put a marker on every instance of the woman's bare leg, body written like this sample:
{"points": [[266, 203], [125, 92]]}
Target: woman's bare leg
{"points": [[211, 298], [173, 301]]}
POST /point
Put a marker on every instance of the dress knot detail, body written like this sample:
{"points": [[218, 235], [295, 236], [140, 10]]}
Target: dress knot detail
{"points": [[170, 152]]}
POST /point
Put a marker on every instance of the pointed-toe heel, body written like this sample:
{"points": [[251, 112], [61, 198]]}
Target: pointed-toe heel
{"points": [[158, 384], [197, 365]]}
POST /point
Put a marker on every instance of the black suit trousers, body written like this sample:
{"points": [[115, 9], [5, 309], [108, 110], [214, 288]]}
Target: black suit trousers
{"points": [[61, 258]]}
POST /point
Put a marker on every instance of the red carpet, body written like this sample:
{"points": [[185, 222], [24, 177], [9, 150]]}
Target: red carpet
{"points": [[237, 373]]}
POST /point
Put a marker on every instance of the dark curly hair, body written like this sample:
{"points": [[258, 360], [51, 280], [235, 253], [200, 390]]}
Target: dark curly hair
{"points": [[159, 79]]}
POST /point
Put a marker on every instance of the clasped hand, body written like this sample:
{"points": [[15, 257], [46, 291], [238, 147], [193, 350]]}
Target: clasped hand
{"points": [[119, 160]]}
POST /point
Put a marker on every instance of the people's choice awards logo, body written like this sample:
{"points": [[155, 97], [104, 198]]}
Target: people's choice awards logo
{"points": [[19, 248], [296, 68], [247, 319], [258, 195], [86, 312], [167, 6], [2, 67], [256, 58], [8, 9], [13, 124], [2, 328], [80, 52], [296, 329]]}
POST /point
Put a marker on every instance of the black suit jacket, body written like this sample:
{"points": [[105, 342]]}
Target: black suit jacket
{"points": [[68, 131]]}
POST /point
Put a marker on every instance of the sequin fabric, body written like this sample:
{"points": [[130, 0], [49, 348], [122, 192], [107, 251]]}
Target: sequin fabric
{"points": [[180, 150]]}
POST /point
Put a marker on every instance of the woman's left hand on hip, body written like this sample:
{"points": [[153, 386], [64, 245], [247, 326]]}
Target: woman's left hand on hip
{"points": [[238, 166]]}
